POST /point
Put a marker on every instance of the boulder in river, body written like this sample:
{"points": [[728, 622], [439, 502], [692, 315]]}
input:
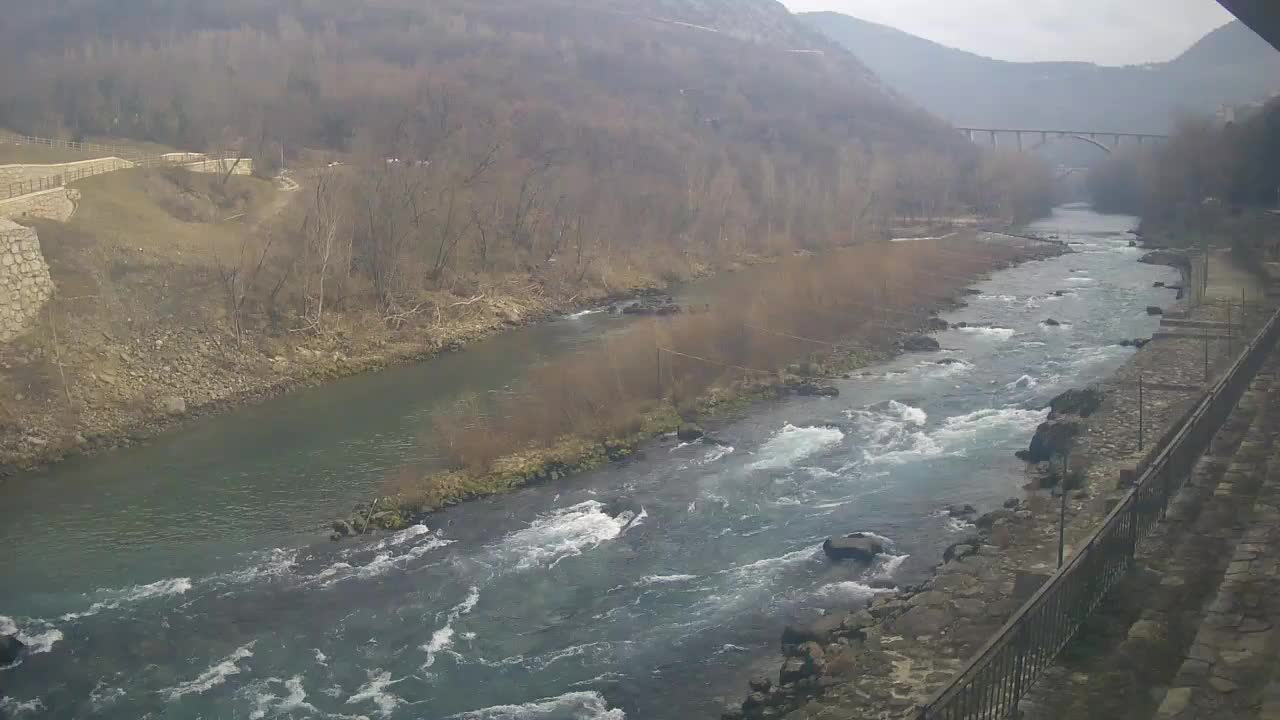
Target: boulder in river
{"points": [[1052, 438], [1155, 310], [937, 324], [11, 649], [823, 630], [961, 550], [689, 432], [856, 546], [991, 518], [809, 388], [920, 343], [653, 305], [1083, 402], [1051, 322], [949, 361]]}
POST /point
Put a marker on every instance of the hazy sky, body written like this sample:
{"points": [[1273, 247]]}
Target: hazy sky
{"points": [[1113, 32]]}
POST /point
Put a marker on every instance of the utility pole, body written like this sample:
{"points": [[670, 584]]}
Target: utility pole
{"points": [[1062, 512]]}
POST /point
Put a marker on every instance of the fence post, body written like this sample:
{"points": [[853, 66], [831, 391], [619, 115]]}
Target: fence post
{"points": [[1206, 356], [1062, 512], [657, 351], [1141, 418]]}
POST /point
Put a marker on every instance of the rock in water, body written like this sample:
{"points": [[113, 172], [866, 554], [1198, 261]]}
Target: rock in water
{"points": [[1154, 310], [1083, 402], [808, 388], [10, 649], [689, 432], [1052, 438], [857, 546], [1052, 323], [920, 343], [991, 518]]}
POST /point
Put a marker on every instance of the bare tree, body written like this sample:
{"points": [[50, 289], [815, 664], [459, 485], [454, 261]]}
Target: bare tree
{"points": [[240, 277], [323, 222]]}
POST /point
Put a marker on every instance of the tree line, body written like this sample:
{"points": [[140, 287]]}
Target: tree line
{"points": [[1204, 165], [559, 145]]}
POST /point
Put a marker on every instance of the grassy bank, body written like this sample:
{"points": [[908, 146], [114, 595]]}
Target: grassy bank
{"points": [[804, 322]]}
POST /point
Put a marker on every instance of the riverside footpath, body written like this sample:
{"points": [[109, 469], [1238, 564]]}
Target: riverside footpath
{"points": [[1191, 633], [1188, 634]]}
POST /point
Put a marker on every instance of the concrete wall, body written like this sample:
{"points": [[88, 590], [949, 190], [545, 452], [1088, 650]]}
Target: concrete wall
{"points": [[244, 166], [56, 204], [11, 174], [25, 285]]}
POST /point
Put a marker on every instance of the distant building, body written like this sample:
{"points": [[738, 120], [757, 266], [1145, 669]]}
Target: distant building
{"points": [[1240, 112]]}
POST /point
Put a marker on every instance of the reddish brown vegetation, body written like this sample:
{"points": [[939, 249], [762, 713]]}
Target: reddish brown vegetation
{"points": [[854, 299]]}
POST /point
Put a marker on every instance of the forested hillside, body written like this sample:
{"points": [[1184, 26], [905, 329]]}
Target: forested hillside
{"points": [[667, 128], [461, 165], [1230, 65]]}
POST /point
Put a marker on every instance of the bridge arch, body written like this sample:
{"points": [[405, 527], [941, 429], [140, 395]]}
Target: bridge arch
{"points": [[1046, 135], [1082, 138]]}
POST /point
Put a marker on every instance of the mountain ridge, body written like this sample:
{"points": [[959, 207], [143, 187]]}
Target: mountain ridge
{"points": [[1229, 65]]}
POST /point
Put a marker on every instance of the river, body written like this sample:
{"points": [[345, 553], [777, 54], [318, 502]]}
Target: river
{"points": [[185, 579]]}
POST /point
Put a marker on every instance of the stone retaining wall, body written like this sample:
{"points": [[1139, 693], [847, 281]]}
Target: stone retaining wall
{"points": [[244, 166], [12, 174], [56, 204], [25, 285]]}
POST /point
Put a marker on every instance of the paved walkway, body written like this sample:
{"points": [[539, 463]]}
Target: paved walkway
{"points": [[1228, 280], [1134, 647], [1229, 671]]}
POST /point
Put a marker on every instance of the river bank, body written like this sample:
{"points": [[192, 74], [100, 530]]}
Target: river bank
{"points": [[105, 386], [655, 587], [906, 320], [886, 659]]}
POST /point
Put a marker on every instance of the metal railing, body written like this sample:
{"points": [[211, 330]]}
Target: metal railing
{"points": [[132, 158], [999, 675], [50, 182], [121, 151]]}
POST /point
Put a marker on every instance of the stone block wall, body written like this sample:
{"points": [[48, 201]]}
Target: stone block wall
{"points": [[56, 204], [25, 285], [13, 174], [244, 166]]}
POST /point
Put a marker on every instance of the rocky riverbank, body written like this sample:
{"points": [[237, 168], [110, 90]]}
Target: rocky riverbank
{"points": [[86, 381], [886, 659], [141, 383], [572, 455]]}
